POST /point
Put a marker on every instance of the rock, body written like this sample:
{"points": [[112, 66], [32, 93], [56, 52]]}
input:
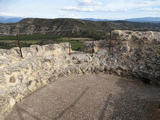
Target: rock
{"points": [[81, 58], [139, 51], [12, 79]]}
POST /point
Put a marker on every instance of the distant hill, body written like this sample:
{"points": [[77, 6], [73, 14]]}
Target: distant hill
{"points": [[73, 27], [94, 19], [4, 19], [145, 19]]}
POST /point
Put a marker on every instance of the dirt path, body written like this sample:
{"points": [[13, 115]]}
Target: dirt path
{"points": [[90, 97]]}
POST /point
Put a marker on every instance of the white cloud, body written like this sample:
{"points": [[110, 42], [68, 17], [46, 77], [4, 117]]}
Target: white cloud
{"points": [[112, 6], [78, 9], [11, 14], [67, 15], [89, 3], [150, 9], [81, 8], [85, 1]]}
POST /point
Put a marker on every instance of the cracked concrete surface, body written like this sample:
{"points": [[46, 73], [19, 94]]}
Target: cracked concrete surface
{"points": [[89, 97]]}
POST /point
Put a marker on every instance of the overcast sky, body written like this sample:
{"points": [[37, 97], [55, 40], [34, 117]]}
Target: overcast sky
{"points": [[106, 9]]}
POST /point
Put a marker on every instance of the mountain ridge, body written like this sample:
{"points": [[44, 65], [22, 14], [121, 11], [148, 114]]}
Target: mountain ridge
{"points": [[144, 19], [8, 19], [73, 27]]}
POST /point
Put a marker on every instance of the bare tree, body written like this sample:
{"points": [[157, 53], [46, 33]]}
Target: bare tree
{"points": [[69, 48], [110, 44], [92, 48], [69, 45], [110, 34], [19, 45]]}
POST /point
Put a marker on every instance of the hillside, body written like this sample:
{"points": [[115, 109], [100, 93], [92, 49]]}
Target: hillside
{"points": [[73, 27]]}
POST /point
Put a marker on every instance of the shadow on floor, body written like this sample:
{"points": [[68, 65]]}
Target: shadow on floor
{"points": [[134, 101], [21, 111], [102, 114], [72, 105]]}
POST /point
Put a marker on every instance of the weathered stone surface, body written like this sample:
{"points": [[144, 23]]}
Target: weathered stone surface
{"points": [[128, 53], [94, 46]]}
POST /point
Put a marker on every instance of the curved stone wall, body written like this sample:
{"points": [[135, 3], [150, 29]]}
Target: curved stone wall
{"points": [[128, 53], [133, 53]]}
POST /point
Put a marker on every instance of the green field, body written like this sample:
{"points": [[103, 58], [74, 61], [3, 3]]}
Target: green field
{"points": [[7, 42]]}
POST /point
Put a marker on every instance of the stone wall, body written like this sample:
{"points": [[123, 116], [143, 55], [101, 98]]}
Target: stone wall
{"points": [[140, 51], [128, 53], [20, 77], [135, 53]]}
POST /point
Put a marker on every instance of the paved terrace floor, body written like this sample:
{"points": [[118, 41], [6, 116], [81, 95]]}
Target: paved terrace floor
{"points": [[90, 97]]}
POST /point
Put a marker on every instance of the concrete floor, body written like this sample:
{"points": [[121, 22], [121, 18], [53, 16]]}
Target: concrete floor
{"points": [[90, 97]]}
